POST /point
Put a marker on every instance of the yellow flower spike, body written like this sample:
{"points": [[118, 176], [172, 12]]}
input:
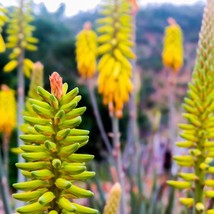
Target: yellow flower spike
{"points": [[112, 204], [7, 110], [188, 202], [86, 45], [211, 211], [116, 52], [20, 38], [52, 164], [172, 55]]}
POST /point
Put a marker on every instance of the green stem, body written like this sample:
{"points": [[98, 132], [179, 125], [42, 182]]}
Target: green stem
{"points": [[120, 172], [99, 120], [199, 196], [5, 154], [99, 187], [21, 97], [4, 188], [132, 130], [55, 171], [171, 100]]}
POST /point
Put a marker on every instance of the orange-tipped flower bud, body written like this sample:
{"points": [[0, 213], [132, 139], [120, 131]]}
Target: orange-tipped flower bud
{"points": [[56, 85]]}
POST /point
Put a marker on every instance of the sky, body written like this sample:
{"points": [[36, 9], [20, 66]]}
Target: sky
{"points": [[75, 6]]}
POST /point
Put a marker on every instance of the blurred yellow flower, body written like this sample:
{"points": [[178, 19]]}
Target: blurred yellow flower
{"points": [[172, 55], [86, 47], [115, 50], [7, 110], [113, 202]]}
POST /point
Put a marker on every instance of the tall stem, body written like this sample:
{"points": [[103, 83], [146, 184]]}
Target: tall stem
{"points": [[21, 97], [199, 183], [98, 118], [132, 130], [5, 154], [21, 83], [120, 172], [171, 103], [150, 153], [4, 188], [171, 116]]}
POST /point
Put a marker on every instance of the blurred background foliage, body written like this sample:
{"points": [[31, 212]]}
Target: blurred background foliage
{"points": [[56, 50]]}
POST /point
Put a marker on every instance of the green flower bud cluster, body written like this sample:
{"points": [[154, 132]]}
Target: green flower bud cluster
{"points": [[199, 132], [20, 37], [35, 81], [52, 165]]}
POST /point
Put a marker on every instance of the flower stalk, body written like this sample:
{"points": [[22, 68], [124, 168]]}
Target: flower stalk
{"points": [[118, 157], [4, 189], [86, 44]]}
